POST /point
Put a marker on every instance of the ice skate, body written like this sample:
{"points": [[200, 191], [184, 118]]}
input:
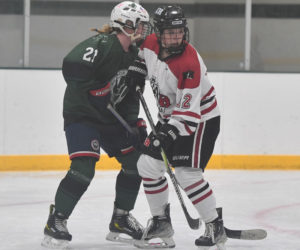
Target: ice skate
{"points": [[214, 234], [56, 233], [158, 233], [124, 227]]}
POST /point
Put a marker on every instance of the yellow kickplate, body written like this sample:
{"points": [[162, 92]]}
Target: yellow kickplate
{"points": [[62, 162], [49, 162]]}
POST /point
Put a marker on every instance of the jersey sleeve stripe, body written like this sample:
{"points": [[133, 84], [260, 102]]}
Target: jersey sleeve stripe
{"points": [[207, 110], [204, 102], [187, 128], [208, 93], [187, 113], [101, 92]]}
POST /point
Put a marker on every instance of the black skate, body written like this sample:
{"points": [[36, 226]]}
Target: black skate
{"points": [[124, 227], [158, 227], [214, 234], [56, 233]]}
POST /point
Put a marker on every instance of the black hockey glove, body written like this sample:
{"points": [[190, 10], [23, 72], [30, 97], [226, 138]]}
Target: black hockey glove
{"points": [[166, 135], [149, 148], [118, 90], [140, 133], [136, 75]]}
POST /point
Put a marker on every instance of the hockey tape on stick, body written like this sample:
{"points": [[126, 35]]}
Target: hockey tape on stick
{"points": [[246, 234]]}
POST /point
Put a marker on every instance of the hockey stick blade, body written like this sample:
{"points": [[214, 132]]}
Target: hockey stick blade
{"points": [[193, 223], [249, 234]]}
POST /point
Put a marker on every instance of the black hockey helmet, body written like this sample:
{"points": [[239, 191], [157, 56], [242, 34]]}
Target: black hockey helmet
{"points": [[168, 17]]}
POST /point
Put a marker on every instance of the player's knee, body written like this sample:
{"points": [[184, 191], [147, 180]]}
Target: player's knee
{"points": [[79, 176], [83, 168], [129, 164], [129, 181], [147, 168], [188, 175], [140, 167], [131, 172]]}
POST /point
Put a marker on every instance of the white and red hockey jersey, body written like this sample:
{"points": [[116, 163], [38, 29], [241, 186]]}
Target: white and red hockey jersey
{"points": [[184, 94]]}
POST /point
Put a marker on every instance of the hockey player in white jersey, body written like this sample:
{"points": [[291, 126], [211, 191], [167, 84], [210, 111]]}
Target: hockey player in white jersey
{"points": [[189, 123]]}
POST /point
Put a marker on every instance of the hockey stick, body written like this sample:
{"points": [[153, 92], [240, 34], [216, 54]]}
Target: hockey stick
{"points": [[249, 234], [120, 118], [193, 223]]}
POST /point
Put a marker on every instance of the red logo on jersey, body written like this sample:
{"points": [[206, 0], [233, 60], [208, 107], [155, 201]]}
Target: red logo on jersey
{"points": [[164, 101]]}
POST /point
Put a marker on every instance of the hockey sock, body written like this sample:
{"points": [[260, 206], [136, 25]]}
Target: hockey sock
{"points": [[157, 193], [198, 191], [75, 183], [127, 188], [128, 181]]}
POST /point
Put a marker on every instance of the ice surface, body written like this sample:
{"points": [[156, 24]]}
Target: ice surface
{"points": [[250, 199]]}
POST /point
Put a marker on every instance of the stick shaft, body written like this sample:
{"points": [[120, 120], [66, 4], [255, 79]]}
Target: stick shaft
{"points": [[120, 118], [193, 223]]}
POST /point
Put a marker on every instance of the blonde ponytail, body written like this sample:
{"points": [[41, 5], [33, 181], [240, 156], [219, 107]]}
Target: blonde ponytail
{"points": [[106, 29]]}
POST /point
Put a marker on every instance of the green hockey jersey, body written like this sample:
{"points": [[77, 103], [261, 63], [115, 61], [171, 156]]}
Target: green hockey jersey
{"points": [[89, 70]]}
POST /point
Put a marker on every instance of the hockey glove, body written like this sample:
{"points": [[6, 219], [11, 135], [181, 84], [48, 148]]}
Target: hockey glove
{"points": [[142, 127], [140, 133], [136, 75], [166, 136], [118, 90], [152, 147]]}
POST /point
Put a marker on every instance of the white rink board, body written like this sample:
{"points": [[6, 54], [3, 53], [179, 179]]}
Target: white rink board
{"points": [[260, 112]]}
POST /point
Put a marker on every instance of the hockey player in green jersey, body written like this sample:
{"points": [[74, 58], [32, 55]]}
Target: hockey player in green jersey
{"points": [[94, 72]]}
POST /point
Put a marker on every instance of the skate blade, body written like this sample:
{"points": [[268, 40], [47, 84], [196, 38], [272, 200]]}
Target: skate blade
{"points": [[52, 243], [219, 246], [221, 243], [215, 247], [164, 243], [119, 237]]}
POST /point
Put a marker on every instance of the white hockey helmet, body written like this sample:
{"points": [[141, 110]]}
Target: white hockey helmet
{"points": [[129, 14]]}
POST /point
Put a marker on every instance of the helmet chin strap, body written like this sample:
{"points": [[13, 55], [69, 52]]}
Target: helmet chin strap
{"points": [[173, 50], [134, 37]]}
